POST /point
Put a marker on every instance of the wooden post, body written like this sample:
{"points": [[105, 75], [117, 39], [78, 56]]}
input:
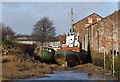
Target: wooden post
{"points": [[104, 58], [113, 61]]}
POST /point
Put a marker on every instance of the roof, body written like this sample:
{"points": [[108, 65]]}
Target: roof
{"points": [[88, 16], [103, 19]]}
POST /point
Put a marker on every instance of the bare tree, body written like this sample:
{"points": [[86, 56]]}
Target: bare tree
{"points": [[44, 30], [7, 32]]}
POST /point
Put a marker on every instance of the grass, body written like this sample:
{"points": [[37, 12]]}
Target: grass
{"points": [[98, 59]]}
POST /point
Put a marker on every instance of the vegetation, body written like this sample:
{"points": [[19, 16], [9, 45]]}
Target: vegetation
{"points": [[44, 30], [7, 36], [98, 59], [7, 32]]}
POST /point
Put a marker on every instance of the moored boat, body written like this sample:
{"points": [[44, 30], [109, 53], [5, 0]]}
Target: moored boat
{"points": [[71, 57], [60, 57], [45, 54]]}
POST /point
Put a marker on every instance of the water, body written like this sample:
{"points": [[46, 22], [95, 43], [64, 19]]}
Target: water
{"points": [[68, 75]]}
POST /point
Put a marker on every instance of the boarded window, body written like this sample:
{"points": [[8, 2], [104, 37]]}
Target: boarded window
{"points": [[89, 20], [86, 25]]}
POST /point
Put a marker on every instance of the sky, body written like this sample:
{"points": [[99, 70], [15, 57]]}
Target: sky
{"points": [[21, 16]]}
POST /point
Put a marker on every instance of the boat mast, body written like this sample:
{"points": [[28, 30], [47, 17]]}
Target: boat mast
{"points": [[72, 16], [71, 13]]}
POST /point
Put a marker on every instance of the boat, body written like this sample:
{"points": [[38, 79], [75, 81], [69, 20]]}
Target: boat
{"points": [[45, 54], [69, 53], [70, 57], [73, 58], [60, 57]]}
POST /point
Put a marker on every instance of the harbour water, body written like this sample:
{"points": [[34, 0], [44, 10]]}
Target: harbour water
{"points": [[70, 75]]}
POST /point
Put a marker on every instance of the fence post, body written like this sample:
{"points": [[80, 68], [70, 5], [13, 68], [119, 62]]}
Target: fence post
{"points": [[113, 61], [104, 58]]}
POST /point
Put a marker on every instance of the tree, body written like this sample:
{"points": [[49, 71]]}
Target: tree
{"points": [[7, 36], [7, 32], [44, 30]]}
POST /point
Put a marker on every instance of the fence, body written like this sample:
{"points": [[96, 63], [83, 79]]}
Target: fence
{"points": [[98, 59]]}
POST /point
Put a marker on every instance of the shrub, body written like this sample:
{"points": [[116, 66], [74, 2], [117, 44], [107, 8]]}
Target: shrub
{"points": [[98, 59]]}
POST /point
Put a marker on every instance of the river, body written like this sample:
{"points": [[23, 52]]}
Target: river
{"points": [[70, 75]]}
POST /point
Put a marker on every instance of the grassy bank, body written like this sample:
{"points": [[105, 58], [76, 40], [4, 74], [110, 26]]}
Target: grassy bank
{"points": [[98, 59], [21, 67]]}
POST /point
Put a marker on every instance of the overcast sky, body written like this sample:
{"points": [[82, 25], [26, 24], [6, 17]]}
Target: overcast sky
{"points": [[21, 16]]}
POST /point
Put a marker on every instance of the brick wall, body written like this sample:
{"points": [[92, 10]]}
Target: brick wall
{"points": [[79, 27], [104, 34]]}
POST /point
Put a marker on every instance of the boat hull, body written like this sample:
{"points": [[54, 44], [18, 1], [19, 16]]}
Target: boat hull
{"points": [[71, 57], [60, 57], [45, 55]]}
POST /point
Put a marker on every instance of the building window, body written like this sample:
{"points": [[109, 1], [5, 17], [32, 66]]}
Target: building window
{"points": [[98, 19], [89, 20], [86, 25]]}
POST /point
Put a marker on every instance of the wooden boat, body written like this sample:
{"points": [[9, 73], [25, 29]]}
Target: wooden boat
{"points": [[68, 55], [73, 58], [69, 50], [45, 54], [60, 57]]}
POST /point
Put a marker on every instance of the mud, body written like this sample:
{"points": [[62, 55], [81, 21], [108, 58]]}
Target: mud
{"points": [[20, 67]]}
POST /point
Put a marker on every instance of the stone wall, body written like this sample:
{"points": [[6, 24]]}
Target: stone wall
{"points": [[103, 35], [80, 27]]}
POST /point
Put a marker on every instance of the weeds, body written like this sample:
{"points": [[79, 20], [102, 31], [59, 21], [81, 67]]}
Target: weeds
{"points": [[98, 60]]}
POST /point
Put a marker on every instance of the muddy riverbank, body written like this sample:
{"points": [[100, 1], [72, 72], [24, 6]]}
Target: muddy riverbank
{"points": [[20, 67]]}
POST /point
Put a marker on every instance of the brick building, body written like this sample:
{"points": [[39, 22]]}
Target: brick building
{"points": [[103, 35], [80, 27]]}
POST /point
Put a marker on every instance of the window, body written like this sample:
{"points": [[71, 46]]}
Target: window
{"points": [[89, 20], [98, 19], [86, 25]]}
